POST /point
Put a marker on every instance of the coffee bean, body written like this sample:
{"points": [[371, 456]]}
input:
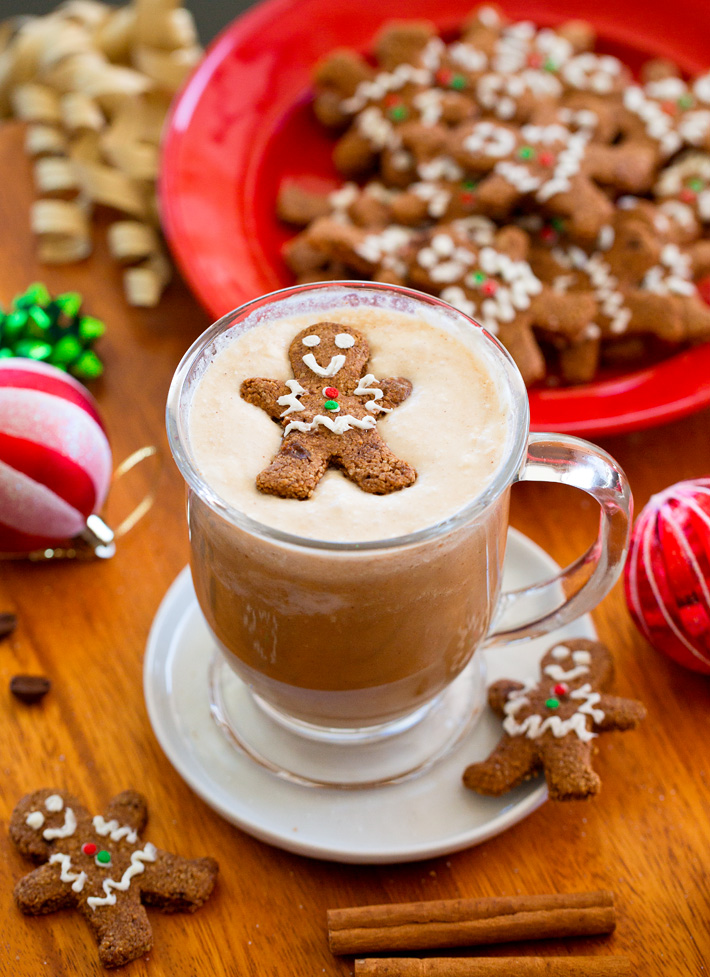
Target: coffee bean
{"points": [[8, 623], [29, 688]]}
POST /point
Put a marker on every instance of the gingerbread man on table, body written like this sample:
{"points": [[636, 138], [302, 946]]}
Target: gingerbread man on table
{"points": [[551, 724], [99, 866], [329, 414]]}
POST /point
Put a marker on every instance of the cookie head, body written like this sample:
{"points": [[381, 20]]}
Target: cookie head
{"points": [[577, 662], [328, 350], [43, 817]]}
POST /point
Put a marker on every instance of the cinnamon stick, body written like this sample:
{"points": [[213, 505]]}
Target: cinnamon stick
{"points": [[469, 922], [495, 967]]}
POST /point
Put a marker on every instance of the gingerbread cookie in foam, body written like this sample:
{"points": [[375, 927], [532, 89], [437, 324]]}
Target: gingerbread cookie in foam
{"points": [[491, 282], [324, 424], [552, 724], [100, 867]]}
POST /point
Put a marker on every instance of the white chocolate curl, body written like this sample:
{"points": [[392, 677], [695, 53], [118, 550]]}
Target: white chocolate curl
{"points": [[93, 82]]}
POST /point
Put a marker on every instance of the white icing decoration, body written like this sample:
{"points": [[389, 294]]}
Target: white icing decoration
{"points": [[659, 125], [489, 139], [582, 657], [115, 831], [694, 127], [66, 830], [362, 390], [560, 651], [701, 88], [673, 276], [389, 242], [35, 819], [148, 854], [54, 803], [336, 364], [592, 72], [534, 726], [291, 401], [344, 340], [311, 340], [558, 674], [66, 875], [338, 425]]}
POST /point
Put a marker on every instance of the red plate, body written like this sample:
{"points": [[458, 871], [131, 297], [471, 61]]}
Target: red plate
{"points": [[243, 123]]}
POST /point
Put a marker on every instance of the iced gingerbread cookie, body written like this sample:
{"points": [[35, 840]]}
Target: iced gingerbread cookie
{"points": [[683, 193], [667, 113], [556, 168], [329, 413], [551, 725], [491, 281], [100, 867]]}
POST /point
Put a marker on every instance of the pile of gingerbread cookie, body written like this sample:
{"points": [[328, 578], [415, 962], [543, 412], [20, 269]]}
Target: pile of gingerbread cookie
{"points": [[525, 179]]}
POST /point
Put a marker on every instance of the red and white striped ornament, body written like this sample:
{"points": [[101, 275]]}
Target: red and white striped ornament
{"points": [[55, 459], [667, 577]]}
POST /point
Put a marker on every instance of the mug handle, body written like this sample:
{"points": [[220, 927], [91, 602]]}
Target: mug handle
{"points": [[577, 589]]}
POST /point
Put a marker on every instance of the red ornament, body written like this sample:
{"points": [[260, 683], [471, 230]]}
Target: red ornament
{"points": [[561, 688], [667, 577], [546, 158], [89, 848], [331, 392], [490, 287], [56, 460]]}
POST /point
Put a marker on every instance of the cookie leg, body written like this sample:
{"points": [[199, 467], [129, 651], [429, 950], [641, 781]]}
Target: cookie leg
{"points": [[296, 469], [174, 884], [568, 769], [369, 463], [122, 931], [512, 762]]}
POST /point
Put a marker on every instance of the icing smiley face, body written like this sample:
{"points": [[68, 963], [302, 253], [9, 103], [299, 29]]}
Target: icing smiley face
{"points": [[324, 351]]}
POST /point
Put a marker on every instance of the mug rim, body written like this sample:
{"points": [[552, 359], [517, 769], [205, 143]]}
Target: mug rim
{"points": [[179, 441]]}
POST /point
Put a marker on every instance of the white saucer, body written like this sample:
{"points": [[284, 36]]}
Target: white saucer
{"points": [[421, 818]]}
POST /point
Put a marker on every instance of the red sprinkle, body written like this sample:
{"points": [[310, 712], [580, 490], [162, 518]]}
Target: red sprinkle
{"points": [[561, 688], [331, 392], [687, 195], [89, 848], [548, 235], [535, 60], [670, 108], [467, 197], [444, 76], [547, 158], [490, 287]]}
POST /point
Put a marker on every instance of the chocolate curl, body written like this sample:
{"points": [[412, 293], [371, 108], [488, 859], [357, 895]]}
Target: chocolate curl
{"points": [[93, 83]]}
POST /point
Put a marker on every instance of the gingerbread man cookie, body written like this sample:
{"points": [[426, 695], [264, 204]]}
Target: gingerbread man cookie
{"points": [[328, 425], [99, 866], [552, 724]]}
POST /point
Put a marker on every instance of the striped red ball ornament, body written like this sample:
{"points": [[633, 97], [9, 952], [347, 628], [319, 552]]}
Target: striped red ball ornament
{"points": [[667, 577], [55, 459]]}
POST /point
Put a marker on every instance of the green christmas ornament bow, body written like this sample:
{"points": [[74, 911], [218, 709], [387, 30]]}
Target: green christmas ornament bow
{"points": [[52, 330]]}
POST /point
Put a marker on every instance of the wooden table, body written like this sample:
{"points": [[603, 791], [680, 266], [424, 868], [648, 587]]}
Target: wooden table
{"points": [[647, 835]]}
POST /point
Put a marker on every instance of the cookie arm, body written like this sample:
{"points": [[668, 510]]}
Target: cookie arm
{"points": [[569, 315], [42, 891], [512, 762], [175, 884], [499, 693], [619, 713], [395, 391], [265, 394], [653, 313]]}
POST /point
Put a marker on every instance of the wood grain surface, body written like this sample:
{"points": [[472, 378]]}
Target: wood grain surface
{"points": [[646, 837]]}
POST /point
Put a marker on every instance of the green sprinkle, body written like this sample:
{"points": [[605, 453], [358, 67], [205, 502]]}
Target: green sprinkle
{"points": [[479, 277], [332, 405], [91, 328], [399, 113], [33, 349], [527, 152], [69, 303], [66, 350], [104, 857], [550, 65], [552, 703], [88, 366], [686, 102], [696, 185], [470, 184], [458, 82], [558, 223]]}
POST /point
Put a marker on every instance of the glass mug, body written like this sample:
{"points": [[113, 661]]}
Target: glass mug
{"points": [[352, 664]]}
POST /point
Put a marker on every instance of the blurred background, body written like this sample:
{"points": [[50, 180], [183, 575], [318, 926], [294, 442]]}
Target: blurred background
{"points": [[210, 15]]}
